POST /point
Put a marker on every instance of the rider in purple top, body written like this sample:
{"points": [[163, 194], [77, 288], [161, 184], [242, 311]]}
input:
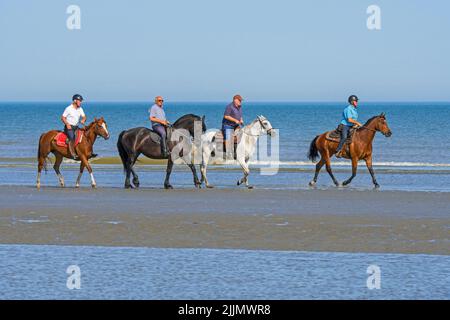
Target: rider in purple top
{"points": [[232, 118]]}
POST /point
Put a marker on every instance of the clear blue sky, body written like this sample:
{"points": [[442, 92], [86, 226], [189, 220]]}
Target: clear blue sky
{"points": [[202, 50]]}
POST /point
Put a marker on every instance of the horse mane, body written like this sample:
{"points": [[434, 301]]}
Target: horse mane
{"points": [[370, 120], [89, 126], [185, 117]]}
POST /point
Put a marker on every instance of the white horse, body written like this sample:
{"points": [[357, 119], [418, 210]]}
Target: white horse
{"points": [[247, 137]]}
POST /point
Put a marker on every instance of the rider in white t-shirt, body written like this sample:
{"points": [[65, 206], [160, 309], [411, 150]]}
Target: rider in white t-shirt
{"points": [[71, 119]]}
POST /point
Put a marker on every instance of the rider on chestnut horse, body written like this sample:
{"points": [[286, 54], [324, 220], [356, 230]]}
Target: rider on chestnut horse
{"points": [[349, 119], [71, 119]]}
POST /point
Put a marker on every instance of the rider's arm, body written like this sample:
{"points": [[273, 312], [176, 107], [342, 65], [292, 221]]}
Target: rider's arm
{"points": [[354, 122], [163, 122], [83, 120], [64, 120], [232, 119]]}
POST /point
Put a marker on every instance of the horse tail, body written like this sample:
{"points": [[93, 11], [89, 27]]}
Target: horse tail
{"points": [[313, 153], [39, 154], [122, 152]]}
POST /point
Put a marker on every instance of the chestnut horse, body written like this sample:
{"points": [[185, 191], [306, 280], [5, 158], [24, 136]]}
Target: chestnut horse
{"points": [[84, 150], [359, 149]]}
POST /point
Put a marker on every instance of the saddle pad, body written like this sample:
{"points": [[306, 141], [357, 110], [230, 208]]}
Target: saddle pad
{"points": [[156, 138], [61, 139], [218, 138], [335, 135]]}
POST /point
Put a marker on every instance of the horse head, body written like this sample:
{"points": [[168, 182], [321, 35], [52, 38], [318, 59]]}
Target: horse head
{"points": [[100, 128], [266, 125], [382, 125]]}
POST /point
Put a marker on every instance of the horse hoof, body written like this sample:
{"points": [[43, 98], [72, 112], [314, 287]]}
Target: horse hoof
{"points": [[250, 187], [312, 183], [77, 186], [38, 186], [94, 186], [377, 186], [168, 186], [239, 183], [209, 186]]}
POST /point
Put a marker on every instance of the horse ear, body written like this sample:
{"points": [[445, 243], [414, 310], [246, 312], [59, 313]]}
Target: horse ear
{"points": [[203, 118], [383, 115], [95, 119]]}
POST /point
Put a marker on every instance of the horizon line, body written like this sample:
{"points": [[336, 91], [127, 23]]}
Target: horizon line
{"points": [[226, 101]]}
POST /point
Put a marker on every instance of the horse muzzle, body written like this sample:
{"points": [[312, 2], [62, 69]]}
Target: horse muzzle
{"points": [[271, 132], [388, 134]]}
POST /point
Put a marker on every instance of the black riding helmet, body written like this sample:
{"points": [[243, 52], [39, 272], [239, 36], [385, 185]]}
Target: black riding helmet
{"points": [[77, 97], [352, 98]]}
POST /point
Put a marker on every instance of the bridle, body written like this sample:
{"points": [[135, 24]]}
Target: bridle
{"points": [[269, 131]]}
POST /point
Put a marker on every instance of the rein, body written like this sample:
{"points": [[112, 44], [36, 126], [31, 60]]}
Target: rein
{"points": [[370, 129]]}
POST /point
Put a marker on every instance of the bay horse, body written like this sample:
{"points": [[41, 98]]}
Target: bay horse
{"points": [[47, 144], [247, 138], [359, 149], [134, 142]]}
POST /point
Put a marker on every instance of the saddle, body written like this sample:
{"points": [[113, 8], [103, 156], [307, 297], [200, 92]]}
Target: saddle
{"points": [[219, 140], [156, 138], [335, 135], [62, 140]]}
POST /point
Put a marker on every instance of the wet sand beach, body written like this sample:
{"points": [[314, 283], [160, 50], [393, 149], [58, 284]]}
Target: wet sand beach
{"points": [[334, 220]]}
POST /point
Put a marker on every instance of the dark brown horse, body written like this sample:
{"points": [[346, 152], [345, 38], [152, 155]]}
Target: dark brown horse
{"points": [[47, 144], [134, 142], [359, 149]]}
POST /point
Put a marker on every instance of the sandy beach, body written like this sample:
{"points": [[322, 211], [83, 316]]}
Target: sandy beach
{"points": [[310, 220]]}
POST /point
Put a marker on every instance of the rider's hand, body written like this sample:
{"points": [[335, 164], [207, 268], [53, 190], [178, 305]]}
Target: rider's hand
{"points": [[69, 127]]}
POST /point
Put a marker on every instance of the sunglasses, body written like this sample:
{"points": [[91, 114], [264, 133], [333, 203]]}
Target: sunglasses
{"points": [[160, 100]]}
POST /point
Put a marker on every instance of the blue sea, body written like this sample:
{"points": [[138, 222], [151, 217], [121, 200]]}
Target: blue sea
{"points": [[416, 157], [41, 272]]}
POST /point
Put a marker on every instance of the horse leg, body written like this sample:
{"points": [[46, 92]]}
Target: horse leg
{"points": [[203, 168], [136, 182], [354, 168], [41, 165], [372, 173], [319, 166], [77, 184], [197, 182], [56, 167], [128, 170], [328, 167], [167, 185], [85, 162], [246, 169]]}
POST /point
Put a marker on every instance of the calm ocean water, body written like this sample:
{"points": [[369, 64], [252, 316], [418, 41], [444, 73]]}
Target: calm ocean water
{"points": [[417, 156], [39, 272]]}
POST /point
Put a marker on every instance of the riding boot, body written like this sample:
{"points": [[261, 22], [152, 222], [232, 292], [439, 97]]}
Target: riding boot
{"points": [[72, 150], [164, 151]]}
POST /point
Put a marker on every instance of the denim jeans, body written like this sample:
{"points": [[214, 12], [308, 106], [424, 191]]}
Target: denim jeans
{"points": [[71, 134], [227, 131], [344, 135]]}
